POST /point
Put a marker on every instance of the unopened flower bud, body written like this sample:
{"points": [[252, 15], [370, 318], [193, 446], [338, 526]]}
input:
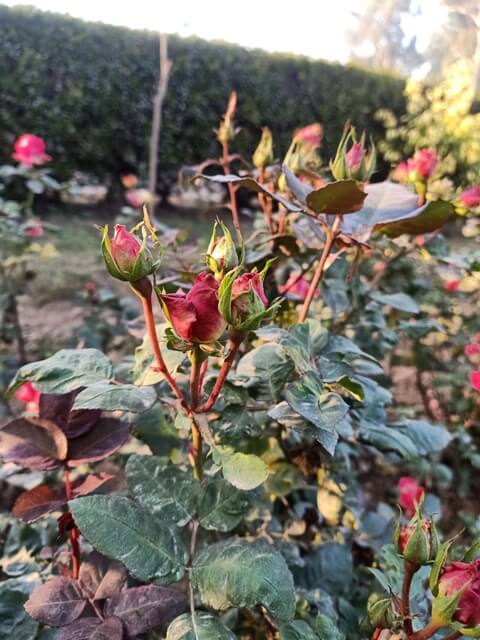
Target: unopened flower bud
{"points": [[382, 612], [418, 540], [354, 163], [458, 596], [226, 131], [263, 155], [221, 253], [125, 256]]}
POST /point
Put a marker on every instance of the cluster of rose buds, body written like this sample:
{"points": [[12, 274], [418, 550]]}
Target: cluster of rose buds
{"points": [[419, 168], [354, 163], [227, 296], [30, 150]]}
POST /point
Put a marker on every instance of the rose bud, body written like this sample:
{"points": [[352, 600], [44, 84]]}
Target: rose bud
{"points": [[195, 317], [129, 181], [424, 163], [382, 612], [411, 494], [221, 253], [458, 598], [475, 380], [30, 150], [226, 132], [125, 256], [310, 135], [401, 172], [417, 541], [29, 395], [263, 155], [452, 285], [356, 163]]}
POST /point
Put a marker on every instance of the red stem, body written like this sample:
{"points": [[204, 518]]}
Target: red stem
{"points": [[157, 354], [407, 583], [231, 192], [234, 345], [74, 534], [427, 632]]}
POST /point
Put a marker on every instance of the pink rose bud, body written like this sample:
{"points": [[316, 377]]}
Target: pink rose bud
{"points": [[195, 317], [475, 380], [418, 540], [129, 181], [424, 162], [452, 285], [411, 494], [248, 298], [354, 163], [297, 288], [30, 150], [470, 197], [125, 257], [34, 231], [311, 134], [460, 578], [354, 157]]}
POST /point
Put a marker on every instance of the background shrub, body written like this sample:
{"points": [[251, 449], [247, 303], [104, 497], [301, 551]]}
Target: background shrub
{"points": [[87, 88]]}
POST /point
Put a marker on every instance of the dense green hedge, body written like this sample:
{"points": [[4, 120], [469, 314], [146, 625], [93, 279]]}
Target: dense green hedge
{"points": [[87, 89]]}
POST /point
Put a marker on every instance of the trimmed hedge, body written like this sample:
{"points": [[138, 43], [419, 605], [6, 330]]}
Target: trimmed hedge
{"points": [[87, 89]]}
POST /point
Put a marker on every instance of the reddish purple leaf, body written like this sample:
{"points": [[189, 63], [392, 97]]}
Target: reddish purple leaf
{"points": [[32, 505], [111, 629], [33, 443], [58, 409], [86, 485], [56, 603], [82, 629], [101, 578], [144, 608], [108, 435]]}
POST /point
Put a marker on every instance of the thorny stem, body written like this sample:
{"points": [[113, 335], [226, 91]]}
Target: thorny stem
{"points": [[331, 234], [74, 533], [407, 583], [234, 344], [231, 192]]}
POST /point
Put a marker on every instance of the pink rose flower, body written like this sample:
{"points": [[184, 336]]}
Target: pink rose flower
{"points": [[195, 317], [30, 150], [475, 380], [30, 396], [297, 287], [472, 349], [463, 577], [425, 162], [354, 157], [470, 197], [411, 494]]}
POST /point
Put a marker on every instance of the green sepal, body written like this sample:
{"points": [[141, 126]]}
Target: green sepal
{"points": [[107, 256], [472, 553], [417, 550], [225, 294], [444, 608], [438, 564]]}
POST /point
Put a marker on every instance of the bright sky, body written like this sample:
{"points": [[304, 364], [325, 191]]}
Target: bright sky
{"points": [[312, 27]]}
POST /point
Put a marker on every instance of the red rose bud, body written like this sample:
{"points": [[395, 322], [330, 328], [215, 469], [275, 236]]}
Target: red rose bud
{"points": [[452, 285], [470, 198], [424, 163], [417, 541], [459, 583], [221, 253], [263, 155], [354, 163], [125, 256], [195, 317], [30, 396], [411, 494], [30, 150]]}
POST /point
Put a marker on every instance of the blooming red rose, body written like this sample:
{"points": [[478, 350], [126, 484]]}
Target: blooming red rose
{"points": [[411, 494], [30, 150], [470, 197], [195, 317], [424, 162], [460, 576]]}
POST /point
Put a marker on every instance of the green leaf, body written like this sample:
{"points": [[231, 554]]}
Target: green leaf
{"points": [[164, 490], [245, 471], [353, 387], [298, 346], [400, 301], [207, 627], [236, 573], [266, 368], [221, 506], [158, 433], [299, 189], [326, 629], [426, 219], [116, 397], [144, 371], [440, 560], [150, 548], [65, 371], [297, 630], [472, 552], [387, 439], [15, 623], [427, 438], [337, 198]]}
